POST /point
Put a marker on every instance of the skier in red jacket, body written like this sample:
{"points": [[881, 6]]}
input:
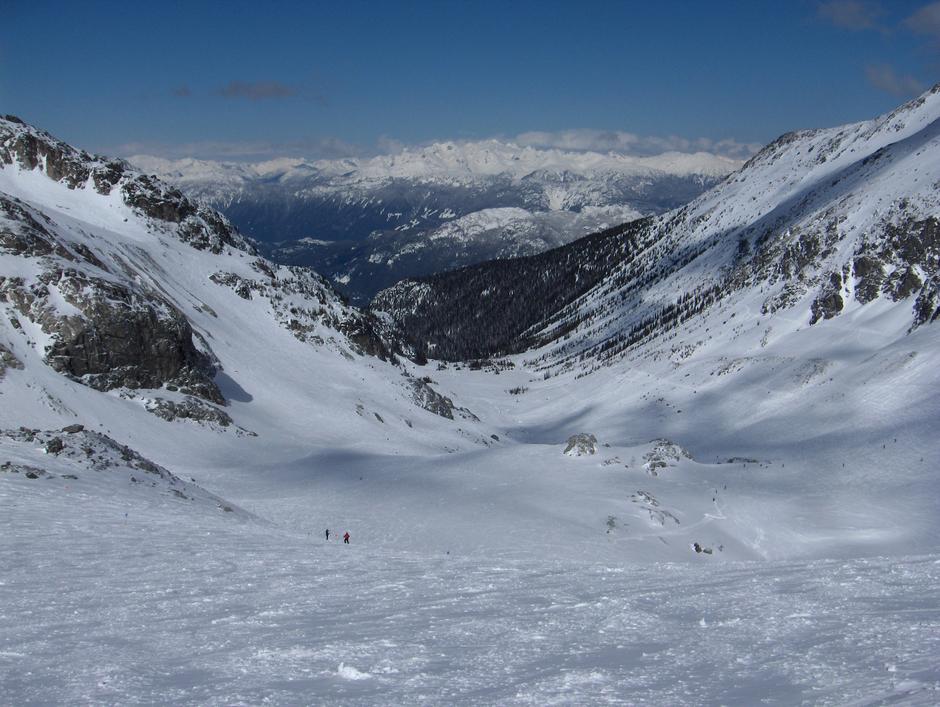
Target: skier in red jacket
{"points": [[346, 538]]}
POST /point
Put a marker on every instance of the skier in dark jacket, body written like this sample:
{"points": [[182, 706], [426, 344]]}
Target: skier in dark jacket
{"points": [[346, 538], [327, 533]]}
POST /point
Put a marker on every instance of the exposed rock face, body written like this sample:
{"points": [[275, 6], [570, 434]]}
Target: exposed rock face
{"points": [[188, 409], [426, 397], [34, 149], [901, 262], [54, 445], [306, 305], [104, 331], [8, 360], [581, 444], [870, 276], [365, 333], [116, 336], [23, 233], [199, 226], [829, 302], [193, 223]]}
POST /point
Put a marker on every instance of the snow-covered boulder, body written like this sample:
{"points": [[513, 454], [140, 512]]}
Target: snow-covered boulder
{"points": [[665, 453], [91, 464]]}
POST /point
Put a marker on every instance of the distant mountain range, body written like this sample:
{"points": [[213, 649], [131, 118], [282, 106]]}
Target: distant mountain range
{"points": [[367, 223], [839, 223], [751, 375]]}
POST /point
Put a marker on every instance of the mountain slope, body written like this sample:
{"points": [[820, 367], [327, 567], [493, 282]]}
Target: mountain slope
{"points": [[819, 224], [494, 308], [123, 300], [265, 399], [784, 321], [622, 511]]}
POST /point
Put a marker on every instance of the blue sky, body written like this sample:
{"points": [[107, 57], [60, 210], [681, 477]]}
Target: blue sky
{"points": [[247, 80]]}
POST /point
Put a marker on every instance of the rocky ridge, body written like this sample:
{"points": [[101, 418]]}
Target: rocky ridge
{"points": [[98, 308]]}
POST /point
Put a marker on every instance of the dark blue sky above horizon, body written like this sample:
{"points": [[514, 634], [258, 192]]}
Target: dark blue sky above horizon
{"points": [[248, 80]]}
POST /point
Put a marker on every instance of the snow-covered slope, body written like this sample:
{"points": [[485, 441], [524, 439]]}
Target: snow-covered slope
{"points": [[818, 225], [640, 521], [839, 223], [368, 218], [788, 314], [127, 305]]}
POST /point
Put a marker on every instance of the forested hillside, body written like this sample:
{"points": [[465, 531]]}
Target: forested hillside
{"points": [[497, 307]]}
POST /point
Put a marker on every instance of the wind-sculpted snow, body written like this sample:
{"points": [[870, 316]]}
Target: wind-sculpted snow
{"points": [[163, 606]]}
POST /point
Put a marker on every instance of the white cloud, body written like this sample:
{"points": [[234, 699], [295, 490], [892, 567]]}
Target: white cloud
{"points": [[257, 90], [322, 148], [926, 21], [884, 78], [853, 15], [586, 139], [580, 140]]}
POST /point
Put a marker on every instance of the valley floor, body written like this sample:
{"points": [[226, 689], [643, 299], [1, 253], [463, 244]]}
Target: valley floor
{"points": [[161, 606], [486, 566]]}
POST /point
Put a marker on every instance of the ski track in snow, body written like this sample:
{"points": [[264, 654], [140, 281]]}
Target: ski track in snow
{"points": [[162, 608]]}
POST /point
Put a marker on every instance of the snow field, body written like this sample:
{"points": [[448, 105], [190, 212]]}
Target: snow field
{"points": [[175, 607]]}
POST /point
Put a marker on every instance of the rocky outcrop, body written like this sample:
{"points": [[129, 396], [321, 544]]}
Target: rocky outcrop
{"points": [[97, 451], [94, 460], [8, 360], [664, 454], [364, 334], [828, 302], [581, 444], [869, 277], [23, 233], [33, 149], [658, 515], [188, 409], [193, 223], [306, 305], [116, 336], [927, 307], [426, 397]]}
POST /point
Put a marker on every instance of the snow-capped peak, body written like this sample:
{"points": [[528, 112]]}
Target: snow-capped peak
{"points": [[458, 160]]}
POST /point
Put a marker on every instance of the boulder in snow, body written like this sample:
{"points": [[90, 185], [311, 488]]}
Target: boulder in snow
{"points": [[581, 444]]}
